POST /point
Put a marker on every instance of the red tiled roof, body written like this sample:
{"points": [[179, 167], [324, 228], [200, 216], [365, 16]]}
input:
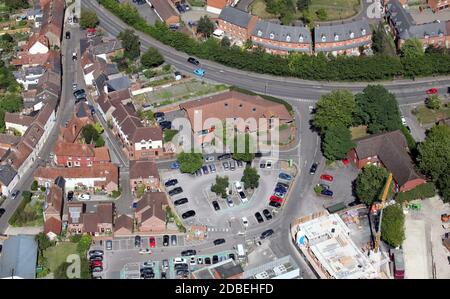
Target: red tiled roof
{"points": [[102, 154], [143, 169], [53, 225], [152, 203], [124, 221], [74, 149], [17, 118], [37, 37]]}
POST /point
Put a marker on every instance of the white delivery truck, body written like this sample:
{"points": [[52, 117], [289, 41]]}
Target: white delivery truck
{"points": [[241, 252]]}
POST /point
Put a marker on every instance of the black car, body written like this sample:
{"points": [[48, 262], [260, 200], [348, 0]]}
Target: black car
{"points": [[175, 191], [262, 165], [188, 214], [189, 252], [216, 205], [184, 273], [218, 241], [258, 155], [193, 61], [137, 241], [2, 211], [163, 275], [165, 240], [259, 217], [267, 214], [205, 169], [354, 203], [67, 34], [70, 196], [79, 93], [180, 201], [165, 124], [96, 258], [224, 157], [14, 194], [266, 233], [158, 114], [95, 252], [232, 256], [313, 168], [207, 261], [171, 183], [181, 266], [275, 204], [215, 259]]}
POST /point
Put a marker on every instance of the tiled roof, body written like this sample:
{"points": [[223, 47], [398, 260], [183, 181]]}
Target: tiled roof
{"points": [[73, 149], [235, 16], [164, 9], [154, 202], [105, 212], [53, 225], [341, 32], [107, 47], [141, 169], [7, 174], [281, 33], [54, 201], [102, 154], [124, 221], [147, 133], [20, 119], [19, 257], [9, 139]]}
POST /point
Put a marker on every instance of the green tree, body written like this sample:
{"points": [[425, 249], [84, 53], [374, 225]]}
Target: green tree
{"points": [[243, 154], [43, 242], [393, 225], [220, 186], [378, 109], [14, 5], [433, 102], [84, 244], [335, 108], [34, 185], [287, 17], [303, 5], [337, 141], [190, 162], [412, 48], [89, 134], [130, 43], [88, 19], [205, 26], [250, 178], [98, 127], [322, 14], [152, 58], [370, 183], [99, 142], [308, 18], [443, 183]]}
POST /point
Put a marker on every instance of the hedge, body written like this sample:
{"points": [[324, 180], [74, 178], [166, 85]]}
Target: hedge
{"points": [[412, 145], [26, 199], [426, 190], [311, 67]]}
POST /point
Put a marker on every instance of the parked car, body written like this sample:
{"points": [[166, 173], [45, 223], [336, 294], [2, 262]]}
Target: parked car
{"points": [[2, 211], [188, 214], [245, 221], [199, 72], [285, 176], [243, 196], [96, 269], [189, 252], [238, 185], [432, 91], [160, 119], [152, 242], [313, 168], [280, 194], [173, 240], [269, 164], [181, 266], [224, 157], [284, 185], [172, 182], [84, 196], [207, 261], [209, 159], [165, 240], [96, 263], [327, 192], [175, 191], [258, 155], [165, 264], [180, 201], [95, 252], [232, 256], [267, 214], [193, 61], [70, 196], [205, 169], [280, 189], [15, 194], [267, 233], [134, 205], [183, 273], [324, 186], [198, 172], [199, 260], [262, 164], [192, 261], [258, 217], [79, 93], [165, 125], [275, 198], [158, 114], [239, 163], [137, 241], [275, 204], [232, 165], [175, 165], [226, 165], [108, 245], [219, 241], [216, 205], [230, 202], [215, 259], [212, 168], [96, 258], [326, 177], [67, 34]]}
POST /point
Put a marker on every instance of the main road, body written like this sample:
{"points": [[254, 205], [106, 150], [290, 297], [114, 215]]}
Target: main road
{"points": [[407, 91]]}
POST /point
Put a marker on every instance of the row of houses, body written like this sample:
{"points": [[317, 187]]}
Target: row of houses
{"points": [[41, 98]]}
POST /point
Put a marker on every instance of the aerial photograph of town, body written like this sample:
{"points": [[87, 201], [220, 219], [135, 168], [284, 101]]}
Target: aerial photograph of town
{"points": [[190, 140]]}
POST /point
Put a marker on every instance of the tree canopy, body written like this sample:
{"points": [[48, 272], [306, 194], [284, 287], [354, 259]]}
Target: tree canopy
{"points": [[89, 134], [393, 225], [130, 43], [152, 58], [14, 5], [220, 186], [370, 183], [250, 178], [412, 48], [337, 142], [335, 108], [190, 162], [243, 154], [88, 19], [433, 102], [205, 26]]}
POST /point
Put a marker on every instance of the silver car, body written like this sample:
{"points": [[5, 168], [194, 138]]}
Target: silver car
{"points": [[173, 239], [108, 245], [212, 168], [226, 165], [232, 165]]}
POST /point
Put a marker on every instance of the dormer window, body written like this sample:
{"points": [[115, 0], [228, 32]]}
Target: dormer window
{"points": [[363, 31], [271, 35], [352, 34], [441, 34], [300, 39], [288, 38], [324, 38], [259, 33], [336, 37], [426, 35]]}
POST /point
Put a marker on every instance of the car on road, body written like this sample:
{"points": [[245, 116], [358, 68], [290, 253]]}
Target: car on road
{"points": [[432, 91], [403, 120], [267, 233], [275, 204], [232, 165], [212, 168], [134, 205], [269, 164], [180, 201], [2, 211], [267, 214], [216, 205], [226, 165], [173, 240], [243, 196], [285, 176], [189, 252], [258, 217], [224, 157], [79, 93], [219, 241], [108, 244], [188, 214], [311, 109], [175, 191], [238, 185], [275, 198], [209, 159], [145, 251], [74, 56], [166, 240], [313, 168], [67, 34], [152, 242], [193, 61], [84, 196], [326, 192], [95, 252], [245, 221], [174, 165], [230, 202], [74, 86], [205, 169], [199, 72], [326, 177], [158, 114], [172, 182], [15, 194], [137, 241]]}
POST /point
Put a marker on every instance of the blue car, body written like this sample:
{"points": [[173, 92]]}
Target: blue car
{"points": [[134, 205], [175, 165], [280, 189], [326, 192], [285, 176], [199, 72]]}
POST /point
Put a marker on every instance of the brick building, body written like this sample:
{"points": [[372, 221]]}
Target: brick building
{"points": [[97, 223], [438, 5], [150, 212], [165, 10], [236, 24], [144, 172]]}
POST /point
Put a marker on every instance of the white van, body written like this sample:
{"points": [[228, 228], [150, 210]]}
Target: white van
{"points": [[179, 260], [238, 186], [241, 251]]}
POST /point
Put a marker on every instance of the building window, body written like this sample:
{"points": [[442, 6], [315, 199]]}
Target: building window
{"points": [[271, 35], [226, 104], [240, 105], [259, 33], [363, 31], [336, 37], [352, 34], [254, 109], [77, 163], [300, 39], [288, 38], [324, 38]]}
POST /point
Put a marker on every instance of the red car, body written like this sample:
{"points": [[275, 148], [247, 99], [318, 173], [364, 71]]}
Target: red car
{"points": [[326, 177], [276, 199], [96, 264], [152, 242], [432, 91], [346, 162]]}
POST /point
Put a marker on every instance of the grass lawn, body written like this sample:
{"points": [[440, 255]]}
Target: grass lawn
{"points": [[336, 9], [198, 3], [359, 132], [57, 255], [428, 116], [169, 134]]}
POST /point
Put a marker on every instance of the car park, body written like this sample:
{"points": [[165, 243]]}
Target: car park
{"points": [[258, 217], [226, 165], [219, 241], [313, 168], [216, 205], [224, 157], [172, 182], [165, 240], [205, 169], [199, 72], [267, 214], [188, 214], [175, 191], [193, 61], [326, 177], [108, 245], [173, 240], [152, 242], [189, 252], [267, 233], [275, 204], [275, 198], [180, 201], [243, 196], [137, 241], [285, 176]]}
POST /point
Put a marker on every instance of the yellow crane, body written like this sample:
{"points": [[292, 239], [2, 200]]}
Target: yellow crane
{"points": [[383, 199]]}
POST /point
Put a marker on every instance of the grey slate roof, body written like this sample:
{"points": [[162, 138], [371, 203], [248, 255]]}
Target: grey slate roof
{"points": [[407, 28], [19, 257], [118, 84], [341, 32], [7, 174], [107, 47], [235, 16], [290, 34]]}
